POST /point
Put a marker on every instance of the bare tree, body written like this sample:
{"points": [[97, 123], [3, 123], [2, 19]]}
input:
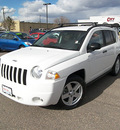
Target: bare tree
{"points": [[61, 20], [8, 23]]}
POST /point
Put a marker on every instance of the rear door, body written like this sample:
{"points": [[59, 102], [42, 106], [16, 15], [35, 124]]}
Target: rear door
{"points": [[110, 40]]}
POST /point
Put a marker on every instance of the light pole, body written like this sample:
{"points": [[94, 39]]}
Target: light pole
{"points": [[46, 4], [3, 14], [4, 17]]}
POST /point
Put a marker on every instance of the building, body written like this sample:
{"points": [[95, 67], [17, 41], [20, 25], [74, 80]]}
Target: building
{"points": [[21, 26], [110, 19]]}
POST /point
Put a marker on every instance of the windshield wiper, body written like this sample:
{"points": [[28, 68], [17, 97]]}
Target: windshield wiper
{"points": [[57, 47], [35, 45], [48, 46]]}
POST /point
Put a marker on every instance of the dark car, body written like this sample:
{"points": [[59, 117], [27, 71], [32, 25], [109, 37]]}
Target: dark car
{"points": [[15, 40]]}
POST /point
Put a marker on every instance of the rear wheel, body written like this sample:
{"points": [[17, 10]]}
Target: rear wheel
{"points": [[73, 92], [116, 68]]}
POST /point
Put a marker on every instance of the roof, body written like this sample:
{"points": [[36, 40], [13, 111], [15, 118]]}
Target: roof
{"points": [[74, 28]]}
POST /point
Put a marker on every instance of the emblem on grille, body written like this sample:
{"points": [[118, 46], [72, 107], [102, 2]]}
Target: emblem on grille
{"points": [[14, 60]]}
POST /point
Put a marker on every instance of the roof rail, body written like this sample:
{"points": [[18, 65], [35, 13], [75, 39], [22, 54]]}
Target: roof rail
{"points": [[67, 24], [93, 24], [78, 24], [109, 25], [87, 23]]}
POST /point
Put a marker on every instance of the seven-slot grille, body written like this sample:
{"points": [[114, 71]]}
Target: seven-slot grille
{"points": [[14, 74]]}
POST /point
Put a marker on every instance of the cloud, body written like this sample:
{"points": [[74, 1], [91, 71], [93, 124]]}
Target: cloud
{"points": [[7, 11], [72, 9]]}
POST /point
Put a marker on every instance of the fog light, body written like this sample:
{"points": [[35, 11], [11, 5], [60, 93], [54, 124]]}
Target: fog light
{"points": [[37, 99], [19, 98]]}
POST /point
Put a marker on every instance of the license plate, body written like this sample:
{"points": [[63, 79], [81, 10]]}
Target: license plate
{"points": [[7, 90]]}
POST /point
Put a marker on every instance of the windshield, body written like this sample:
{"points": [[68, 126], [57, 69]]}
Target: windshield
{"points": [[24, 36], [69, 40]]}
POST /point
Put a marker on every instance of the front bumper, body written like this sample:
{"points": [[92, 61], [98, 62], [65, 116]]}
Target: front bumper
{"points": [[42, 94]]}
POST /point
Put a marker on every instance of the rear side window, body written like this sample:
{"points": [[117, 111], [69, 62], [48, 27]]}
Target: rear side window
{"points": [[10, 36], [110, 37]]}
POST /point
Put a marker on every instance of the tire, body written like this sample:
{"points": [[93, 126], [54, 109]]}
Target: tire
{"points": [[73, 92], [116, 68], [21, 46]]}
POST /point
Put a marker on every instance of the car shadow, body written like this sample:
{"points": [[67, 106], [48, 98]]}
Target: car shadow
{"points": [[4, 51], [98, 87], [94, 90]]}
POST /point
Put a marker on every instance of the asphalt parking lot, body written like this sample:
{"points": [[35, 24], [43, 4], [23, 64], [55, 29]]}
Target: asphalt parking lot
{"points": [[100, 111]]}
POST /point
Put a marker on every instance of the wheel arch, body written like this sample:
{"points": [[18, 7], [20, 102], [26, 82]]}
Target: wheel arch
{"points": [[80, 73], [118, 55], [21, 45]]}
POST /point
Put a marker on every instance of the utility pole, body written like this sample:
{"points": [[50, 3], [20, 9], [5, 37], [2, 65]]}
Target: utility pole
{"points": [[40, 18], [4, 17], [46, 4], [3, 14]]}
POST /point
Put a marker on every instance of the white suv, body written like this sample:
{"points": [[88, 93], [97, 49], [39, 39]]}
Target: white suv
{"points": [[57, 68]]}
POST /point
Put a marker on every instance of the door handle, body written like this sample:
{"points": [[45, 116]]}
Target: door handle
{"points": [[104, 51]]}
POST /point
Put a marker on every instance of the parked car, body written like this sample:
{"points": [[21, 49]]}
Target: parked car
{"points": [[37, 30], [58, 73], [15, 40], [2, 32], [37, 35]]}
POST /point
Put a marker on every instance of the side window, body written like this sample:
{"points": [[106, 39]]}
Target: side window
{"points": [[3, 36], [110, 37], [10, 36], [97, 37]]}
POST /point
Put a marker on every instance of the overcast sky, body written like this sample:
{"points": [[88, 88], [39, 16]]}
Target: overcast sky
{"points": [[34, 10]]}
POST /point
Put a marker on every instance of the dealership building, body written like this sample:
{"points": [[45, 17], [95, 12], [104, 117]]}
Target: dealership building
{"points": [[103, 19]]}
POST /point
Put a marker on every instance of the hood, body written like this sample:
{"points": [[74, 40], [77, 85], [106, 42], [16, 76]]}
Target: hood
{"points": [[43, 57]]}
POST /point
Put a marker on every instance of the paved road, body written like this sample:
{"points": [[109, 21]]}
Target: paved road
{"points": [[100, 111]]}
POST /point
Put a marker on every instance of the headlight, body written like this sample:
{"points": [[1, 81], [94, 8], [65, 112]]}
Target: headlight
{"points": [[52, 75], [28, 43], [36, 72]]}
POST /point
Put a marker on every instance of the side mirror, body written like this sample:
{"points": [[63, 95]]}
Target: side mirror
{"points": [[93, 46]]}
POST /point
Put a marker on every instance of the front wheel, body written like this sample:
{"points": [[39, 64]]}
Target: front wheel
{"points": [[21, 46], [0, 50], [73, 92], [116, 67]]}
